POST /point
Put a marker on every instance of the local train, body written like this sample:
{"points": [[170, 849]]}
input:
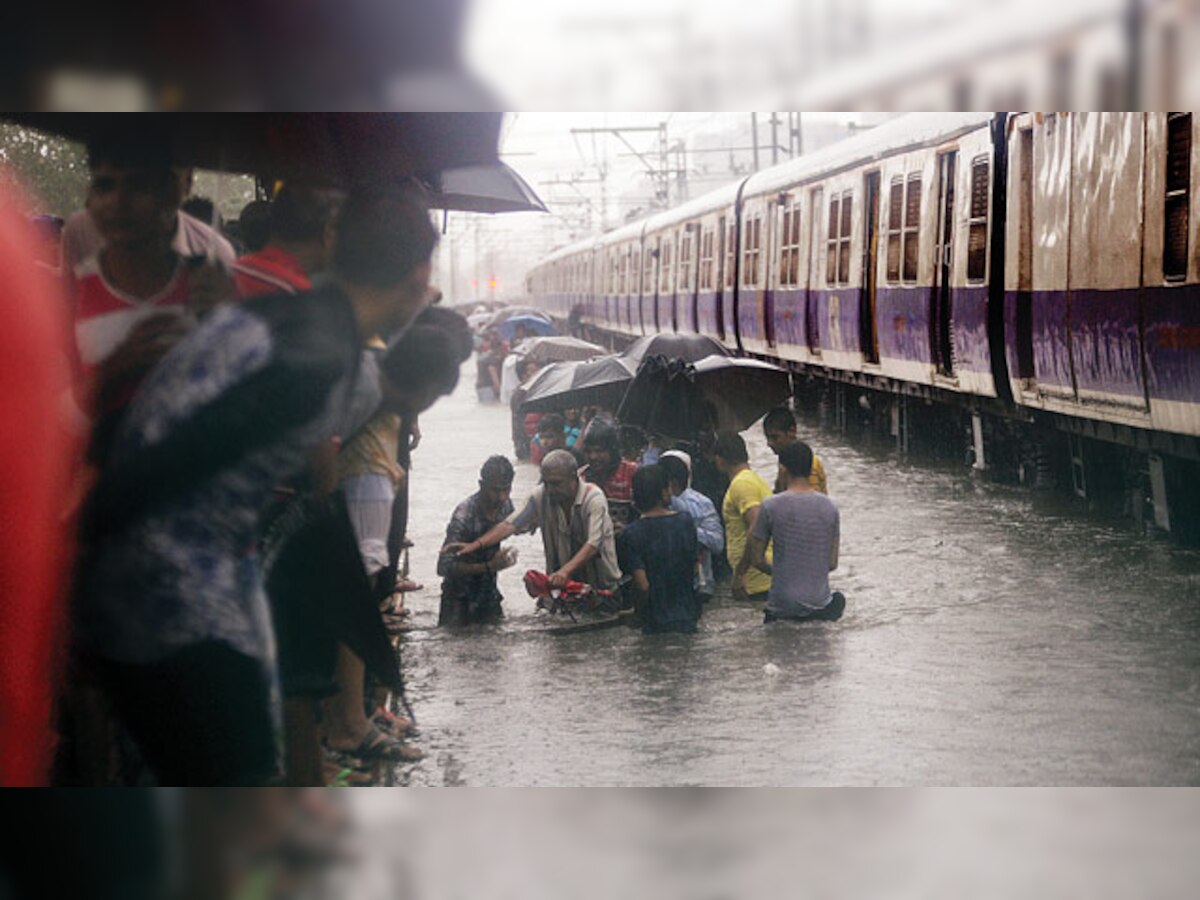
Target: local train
{"points": [[1024, 266]]}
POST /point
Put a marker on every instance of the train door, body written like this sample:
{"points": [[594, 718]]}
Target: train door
{"points": [[719, 284], [768, 255], [812, 289], [868, 330], [942, 340], [1024, 298]]}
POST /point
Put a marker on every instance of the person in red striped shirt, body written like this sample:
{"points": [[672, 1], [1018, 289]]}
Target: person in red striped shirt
{"points": [[301, 238]]}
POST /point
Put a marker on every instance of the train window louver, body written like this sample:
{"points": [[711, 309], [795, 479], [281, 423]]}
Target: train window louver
{"points": [[831, 243], [1178, 187], [844, 239], [912, 228], [978, 223]]}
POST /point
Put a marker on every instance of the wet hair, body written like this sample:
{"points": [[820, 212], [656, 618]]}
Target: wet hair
{"points": [[797, 458], [676, 470], [561, 461], [731, 448], [423, 357], [551, 423], [496, 471], [301, 214], [779, 419], [382, 236], [603, 436], [649, 482], [633, 439], [132, 142], [453, 324], [254, 225]]}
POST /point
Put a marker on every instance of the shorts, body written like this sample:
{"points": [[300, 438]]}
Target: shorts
{"points": [[829, 613]]}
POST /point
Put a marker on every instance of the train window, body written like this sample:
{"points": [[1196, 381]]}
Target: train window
{"points": [[977, 224], [912, 228], [729, 239], [1178, 187], [831, 240], [664, 286], [789, 257], [648, 273], [895, 226], [751, 252], [706, 260], [685, 263], [635, 269], [844, 239]]}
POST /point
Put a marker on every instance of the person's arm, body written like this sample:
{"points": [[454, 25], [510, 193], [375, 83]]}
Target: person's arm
{"points": [[585, 555], [758, 539], [497, 533], [709, 531], [750, 517], [833, 559], [837, 539], [322, 467]]}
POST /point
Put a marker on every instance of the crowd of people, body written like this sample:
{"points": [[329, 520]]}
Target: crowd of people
{"points": [[655, 525], [221, 528], [219, 414]]}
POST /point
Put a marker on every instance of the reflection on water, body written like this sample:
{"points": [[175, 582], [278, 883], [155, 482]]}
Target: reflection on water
{"points": [[991, 637]]}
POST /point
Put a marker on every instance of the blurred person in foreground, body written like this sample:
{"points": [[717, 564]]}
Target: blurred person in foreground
{"points": [[577, 532], [658, 553], [254, 225], [470, 595], [421, 367], [743, 501], [172, 606], [710, 533], [301, 236], [779, 428], [805, 528], [38, 452]]}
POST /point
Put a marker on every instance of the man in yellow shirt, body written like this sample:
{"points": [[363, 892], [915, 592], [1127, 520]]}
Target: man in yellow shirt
{"points": [[741, 507], [779, 428]]}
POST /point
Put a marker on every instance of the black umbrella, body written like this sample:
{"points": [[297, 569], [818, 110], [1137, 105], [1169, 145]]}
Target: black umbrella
{"points": [[678, 399], [508, 312], [338, 149], [688, 347], [493, 188], [543, 350], [595, 382]]}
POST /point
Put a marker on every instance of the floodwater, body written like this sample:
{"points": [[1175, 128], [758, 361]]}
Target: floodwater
{"points": [[991, 637]]}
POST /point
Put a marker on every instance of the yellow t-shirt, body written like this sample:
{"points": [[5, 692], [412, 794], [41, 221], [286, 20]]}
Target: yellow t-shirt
{"points": [[746, 491]]}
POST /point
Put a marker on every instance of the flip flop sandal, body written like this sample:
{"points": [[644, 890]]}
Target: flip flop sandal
{"points": [[377, 746], [400, 726], [407, 585]]}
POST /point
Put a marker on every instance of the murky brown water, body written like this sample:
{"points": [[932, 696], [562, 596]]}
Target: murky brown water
{"points": [[991, 637]]}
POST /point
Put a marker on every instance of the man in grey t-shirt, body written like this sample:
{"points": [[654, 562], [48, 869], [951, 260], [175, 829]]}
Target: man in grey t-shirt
{"points": [[805, 528]]}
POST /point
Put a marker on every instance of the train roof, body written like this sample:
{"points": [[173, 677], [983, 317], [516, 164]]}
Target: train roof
{"points": [[898, 135]]}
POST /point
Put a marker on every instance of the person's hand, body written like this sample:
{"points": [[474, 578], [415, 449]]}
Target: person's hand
{"points": [[414, 435], [460, 548], [558, 579], [739, 589], [505, 559], [209, 285]]}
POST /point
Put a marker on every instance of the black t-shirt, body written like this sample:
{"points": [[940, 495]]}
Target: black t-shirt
{"points": [[665, 548]]}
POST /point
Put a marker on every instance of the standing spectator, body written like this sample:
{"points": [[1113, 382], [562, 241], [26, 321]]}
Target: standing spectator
{"points": [[779, 428], [658, 552], [574, 427], [254, 225], [804, 526], [301, 236], [577, 533], [742, 503], [712, 483], [489, 359], [421, 367], [606, 468], [469, 592], [173, 607], [710, 533]]}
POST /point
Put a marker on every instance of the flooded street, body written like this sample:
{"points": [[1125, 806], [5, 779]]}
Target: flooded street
{"points": [[991, 637]]}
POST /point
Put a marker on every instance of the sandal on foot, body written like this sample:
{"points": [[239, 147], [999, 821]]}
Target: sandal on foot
{"points": [[407, 585], [400, 726], [377, 746]]}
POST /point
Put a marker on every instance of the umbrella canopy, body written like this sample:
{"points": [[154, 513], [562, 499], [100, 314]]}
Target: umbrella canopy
{"points": [[508, 312], [542, 350], [337, 149], [595, 382], [688, 347], [494, 188], [533, 325], [678, 399]]}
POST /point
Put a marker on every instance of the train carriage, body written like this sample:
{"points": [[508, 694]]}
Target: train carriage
{"points": [[1101, 318]]}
